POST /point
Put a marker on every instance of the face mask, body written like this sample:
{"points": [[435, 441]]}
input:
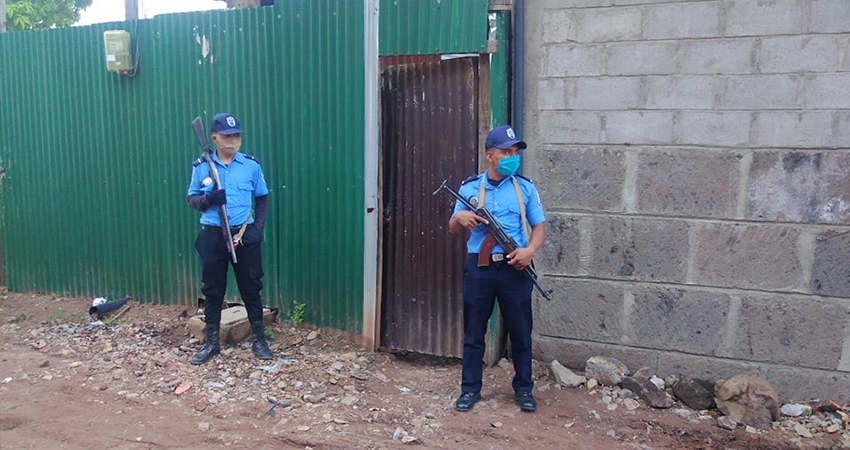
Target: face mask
{"points": [[508, 165]]}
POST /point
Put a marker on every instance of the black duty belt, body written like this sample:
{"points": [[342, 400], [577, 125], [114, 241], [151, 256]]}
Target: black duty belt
{"points": [[497, 258]]}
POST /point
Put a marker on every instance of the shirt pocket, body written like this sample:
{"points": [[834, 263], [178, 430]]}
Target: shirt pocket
{"points": [[243, 194], [511, 221]]}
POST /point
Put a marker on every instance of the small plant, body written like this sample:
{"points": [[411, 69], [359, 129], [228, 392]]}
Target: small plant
{"points": [[297, 315], [269, 334]]}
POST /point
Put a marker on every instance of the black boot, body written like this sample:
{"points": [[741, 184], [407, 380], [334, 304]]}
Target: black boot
{"points": [[210, 348], [260, 347]]}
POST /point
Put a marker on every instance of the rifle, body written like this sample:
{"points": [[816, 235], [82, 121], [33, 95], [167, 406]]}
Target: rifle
{"points": [[495, 229], [206, 151]]}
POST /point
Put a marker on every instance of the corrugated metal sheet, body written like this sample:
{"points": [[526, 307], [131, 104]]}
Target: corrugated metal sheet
{"points": [[387, 61], [93, 199], [429, 118], [418, 27]]}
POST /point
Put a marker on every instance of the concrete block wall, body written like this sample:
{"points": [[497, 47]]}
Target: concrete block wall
{"points": [[694, 161]]}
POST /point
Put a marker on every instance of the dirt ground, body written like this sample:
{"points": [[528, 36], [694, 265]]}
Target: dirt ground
{"points": [[128, 385]]}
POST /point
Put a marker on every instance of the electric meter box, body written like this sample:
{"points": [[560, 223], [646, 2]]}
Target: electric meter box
{"points": [[117, 44]]}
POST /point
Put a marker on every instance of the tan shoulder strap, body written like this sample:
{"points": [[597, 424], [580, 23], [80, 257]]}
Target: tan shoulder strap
{"points": [[525, 227], [482, 193]]}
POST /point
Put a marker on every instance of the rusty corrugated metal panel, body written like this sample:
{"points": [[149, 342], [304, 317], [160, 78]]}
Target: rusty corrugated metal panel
{"points": [[97, 165], [387, 61], [421, 27], [430, 117]]}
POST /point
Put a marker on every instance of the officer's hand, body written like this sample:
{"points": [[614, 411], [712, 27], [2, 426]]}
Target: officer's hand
{"points": [[469, 219], [217, 197], [520, 258]]}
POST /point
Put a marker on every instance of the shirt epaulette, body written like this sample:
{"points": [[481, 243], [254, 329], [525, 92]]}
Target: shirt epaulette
{"points": [[526, 179], [472, 178], [197, 162], [251, 158]]}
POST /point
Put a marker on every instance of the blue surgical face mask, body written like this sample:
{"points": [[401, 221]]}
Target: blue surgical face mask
{"points": [[508, 165]]}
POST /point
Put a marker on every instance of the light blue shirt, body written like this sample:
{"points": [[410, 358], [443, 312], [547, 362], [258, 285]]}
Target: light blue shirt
{"points": [[502, 202], [242, 179]]}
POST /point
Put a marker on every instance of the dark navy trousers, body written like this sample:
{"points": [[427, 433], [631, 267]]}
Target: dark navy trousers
{"points": [[215, 258], [481, 287]]}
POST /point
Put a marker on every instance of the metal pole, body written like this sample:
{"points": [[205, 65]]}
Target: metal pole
{"points": [[2, 16], [131, 10]]}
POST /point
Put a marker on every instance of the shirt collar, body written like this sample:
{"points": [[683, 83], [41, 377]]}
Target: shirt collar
{"points": [[487, 184], [238, 157]]}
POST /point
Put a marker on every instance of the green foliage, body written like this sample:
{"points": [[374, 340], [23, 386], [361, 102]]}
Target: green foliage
{"points": [[297, 315], [269, 334], [40, 14]]}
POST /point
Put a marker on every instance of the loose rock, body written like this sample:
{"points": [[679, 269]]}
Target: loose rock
{"points": [[693, 394], [606, 370], [565, 376], [727, 423], [649, 392], [748, 399]]}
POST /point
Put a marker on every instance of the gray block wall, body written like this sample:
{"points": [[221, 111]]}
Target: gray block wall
{"points": [[694, 161]]}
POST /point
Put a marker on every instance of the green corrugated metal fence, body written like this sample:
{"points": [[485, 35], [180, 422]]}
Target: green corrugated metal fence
{"points": [[421, 27], [97, 166]]}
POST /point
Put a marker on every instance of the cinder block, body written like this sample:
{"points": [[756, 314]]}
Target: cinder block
{"points": [[796, 54], [558, 127], [687, 183], [831, 268], [580, 309], [798, 385], [810, 129], [574, 60], [717, 56], [761, 92], [235, 327], [574, 354], [759, 18], [681, 92], [676, 319], [683, 20], [589, 178], [551, 94], [830, 16], [704, 368], [827, 91], [809, 187], [726, 128], [806, 332], [640, 249], [639, 127], [606, 93], [609, 24], [749, 257], [559, 26], [642, 58], [560, 251]]}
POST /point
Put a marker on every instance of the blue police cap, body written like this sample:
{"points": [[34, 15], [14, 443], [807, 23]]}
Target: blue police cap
{"points": [[503, 137], [224, 123]]}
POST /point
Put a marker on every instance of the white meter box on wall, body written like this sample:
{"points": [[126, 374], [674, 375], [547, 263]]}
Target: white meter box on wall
{"points": [[117, 45]]}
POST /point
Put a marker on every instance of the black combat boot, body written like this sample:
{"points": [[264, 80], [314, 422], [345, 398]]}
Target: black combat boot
{"points": [[210, 348], [260, 347]]}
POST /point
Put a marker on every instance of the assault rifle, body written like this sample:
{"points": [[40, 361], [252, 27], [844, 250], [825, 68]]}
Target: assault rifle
{"points": [[495, 229]]}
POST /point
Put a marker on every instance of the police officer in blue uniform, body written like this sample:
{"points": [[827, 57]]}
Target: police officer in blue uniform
{"points": [[515, 203], [242, 182]]}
